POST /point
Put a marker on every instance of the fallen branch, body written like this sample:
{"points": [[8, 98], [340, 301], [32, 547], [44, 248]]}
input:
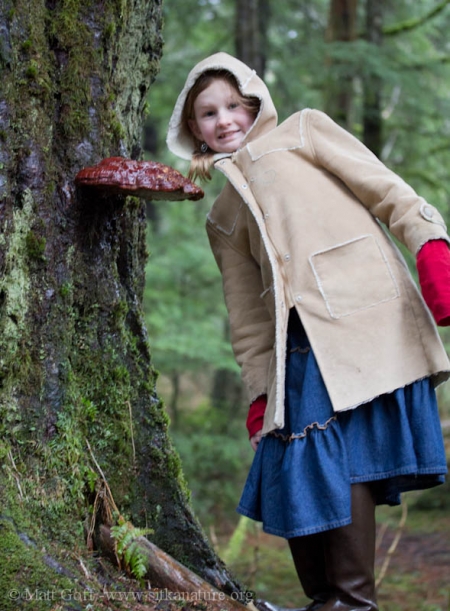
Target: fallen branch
{"points": [[176, 582], [394, 544]]}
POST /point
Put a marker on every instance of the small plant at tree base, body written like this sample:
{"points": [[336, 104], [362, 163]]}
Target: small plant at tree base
{"points": [[125, 536]]}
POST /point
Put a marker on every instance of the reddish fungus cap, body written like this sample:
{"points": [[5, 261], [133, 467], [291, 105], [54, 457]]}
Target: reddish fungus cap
{"points": [[146, 179]]}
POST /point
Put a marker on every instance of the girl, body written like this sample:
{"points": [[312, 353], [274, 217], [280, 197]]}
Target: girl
{"points": [[338, 351]]}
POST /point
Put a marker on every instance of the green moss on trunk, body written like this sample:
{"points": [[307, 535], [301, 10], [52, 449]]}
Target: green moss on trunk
{"points": [[76, 380]]}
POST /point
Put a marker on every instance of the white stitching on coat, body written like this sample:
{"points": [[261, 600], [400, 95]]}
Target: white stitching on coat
{"points": [[278, 150], [244, 85], [222, 229]]}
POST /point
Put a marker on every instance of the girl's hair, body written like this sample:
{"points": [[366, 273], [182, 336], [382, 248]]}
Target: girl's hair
{"points": [[201, 163]]}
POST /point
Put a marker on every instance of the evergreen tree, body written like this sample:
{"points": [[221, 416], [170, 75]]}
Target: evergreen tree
{"points": [[82, 430]]}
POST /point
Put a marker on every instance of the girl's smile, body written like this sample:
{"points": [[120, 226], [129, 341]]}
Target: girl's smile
{"points": [[220, 119]]}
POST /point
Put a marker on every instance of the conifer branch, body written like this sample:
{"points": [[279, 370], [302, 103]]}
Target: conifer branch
{"points": [[411, 24]]}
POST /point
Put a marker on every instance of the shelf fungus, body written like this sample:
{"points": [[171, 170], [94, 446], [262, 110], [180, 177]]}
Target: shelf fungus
{"points": [[146, 179]]}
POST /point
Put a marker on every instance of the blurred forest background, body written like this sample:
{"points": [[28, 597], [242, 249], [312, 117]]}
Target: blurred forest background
{"points": [[382, 69]]}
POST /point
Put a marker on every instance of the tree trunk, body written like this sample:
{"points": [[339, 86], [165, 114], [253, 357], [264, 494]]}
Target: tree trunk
{"points": [[341, 28], [227, 391], [227, 394], [251, 33], [372, 120], [175, 396], [75, 369]]}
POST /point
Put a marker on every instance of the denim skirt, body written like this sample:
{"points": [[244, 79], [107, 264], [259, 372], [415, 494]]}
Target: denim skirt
{"points": [[300, 478]]}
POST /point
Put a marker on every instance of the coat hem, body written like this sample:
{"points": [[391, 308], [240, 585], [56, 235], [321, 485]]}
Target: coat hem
{"points": [[437, 375], [437, 378]]}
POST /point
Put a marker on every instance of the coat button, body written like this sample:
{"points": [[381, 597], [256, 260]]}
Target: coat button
{"points": [[245, 186], [287, 257], [427, 212], [298, 298], [432, 215]]}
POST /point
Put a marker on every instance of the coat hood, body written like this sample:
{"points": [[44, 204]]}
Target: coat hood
{"points": [[180, 140]]}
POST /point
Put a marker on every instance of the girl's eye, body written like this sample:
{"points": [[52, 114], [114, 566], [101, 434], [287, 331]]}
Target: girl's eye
{"points": [[234, 105]]}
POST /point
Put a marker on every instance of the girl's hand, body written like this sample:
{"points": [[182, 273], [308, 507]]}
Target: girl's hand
{"points": [[254, 441]]}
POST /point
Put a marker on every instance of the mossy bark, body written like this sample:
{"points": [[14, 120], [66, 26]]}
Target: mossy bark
{"points": [[75, 367]]}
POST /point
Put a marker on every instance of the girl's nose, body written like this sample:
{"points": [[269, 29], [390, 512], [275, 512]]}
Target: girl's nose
{"points": [[223, 118]]}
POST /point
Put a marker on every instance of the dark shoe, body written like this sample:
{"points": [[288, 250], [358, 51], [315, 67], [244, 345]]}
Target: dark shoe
{"points": [[309, 560], [350, 557], [314, 606], [265, 606]]}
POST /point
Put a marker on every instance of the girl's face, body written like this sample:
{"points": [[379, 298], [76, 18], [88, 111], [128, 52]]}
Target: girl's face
{"points": [[220, 119]]}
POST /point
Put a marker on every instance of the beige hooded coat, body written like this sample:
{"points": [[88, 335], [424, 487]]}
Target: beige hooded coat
{"points": [[300, 224]]}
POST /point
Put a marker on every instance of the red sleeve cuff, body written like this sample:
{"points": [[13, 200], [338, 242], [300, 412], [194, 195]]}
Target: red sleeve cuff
{"points": [[255, 416], [433, 268]]}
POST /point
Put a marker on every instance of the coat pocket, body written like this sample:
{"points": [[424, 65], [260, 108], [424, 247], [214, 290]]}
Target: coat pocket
{"points": [[226, 211], [353, 276]]}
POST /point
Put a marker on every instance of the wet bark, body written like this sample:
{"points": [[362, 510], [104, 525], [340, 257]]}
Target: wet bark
{"points": [[75, 366]]}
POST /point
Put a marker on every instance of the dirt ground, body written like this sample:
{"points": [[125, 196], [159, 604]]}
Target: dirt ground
{"points": [[418, 576]]}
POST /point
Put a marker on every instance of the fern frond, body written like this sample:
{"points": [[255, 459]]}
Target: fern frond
{"points": [[127, 547]]}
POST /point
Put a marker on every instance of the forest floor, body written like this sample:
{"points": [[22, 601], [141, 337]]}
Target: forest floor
{"points": [[417, 577], [419, 574]]}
